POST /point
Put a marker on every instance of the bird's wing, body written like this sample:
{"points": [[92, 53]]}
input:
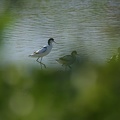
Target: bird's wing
{"points": [[66, 58], [41, 50]]}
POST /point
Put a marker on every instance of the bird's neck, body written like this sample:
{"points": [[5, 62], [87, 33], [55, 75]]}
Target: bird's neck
{"points": [[50, 44]]}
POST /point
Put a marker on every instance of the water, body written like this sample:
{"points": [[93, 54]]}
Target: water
{"points": [[90, 27]]}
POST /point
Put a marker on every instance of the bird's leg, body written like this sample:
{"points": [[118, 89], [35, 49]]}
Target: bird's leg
{"points": [[39, 62], [41, 59], [42, 63], [38, 59]]}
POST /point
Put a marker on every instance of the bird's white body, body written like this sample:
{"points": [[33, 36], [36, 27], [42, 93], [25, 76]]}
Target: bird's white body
{"points": [[42, 52]]}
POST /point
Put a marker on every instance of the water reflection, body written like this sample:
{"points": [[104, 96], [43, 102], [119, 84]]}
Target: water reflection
{"points": [[90, 27]]}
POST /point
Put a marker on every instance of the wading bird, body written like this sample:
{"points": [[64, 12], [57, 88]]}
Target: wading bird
{"points": [[43, 52], [68, 60]]}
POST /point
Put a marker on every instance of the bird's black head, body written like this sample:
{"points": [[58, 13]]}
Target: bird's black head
{"points": [[74, 52], [50, 41]]}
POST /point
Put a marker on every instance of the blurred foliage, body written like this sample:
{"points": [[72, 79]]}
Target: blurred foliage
{"points": [[89, 92]]}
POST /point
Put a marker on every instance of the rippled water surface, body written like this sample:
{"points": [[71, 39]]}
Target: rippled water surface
{"points": [[90, 27]]}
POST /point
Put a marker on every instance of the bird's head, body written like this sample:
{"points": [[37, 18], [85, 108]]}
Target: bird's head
{"points": [[74, 53], [51, 40]]}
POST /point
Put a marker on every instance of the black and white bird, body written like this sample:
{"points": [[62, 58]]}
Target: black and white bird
{"points": [[43, 52]]}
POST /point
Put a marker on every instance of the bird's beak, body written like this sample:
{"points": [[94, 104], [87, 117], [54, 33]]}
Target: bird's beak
{"points": [[55, 42]]}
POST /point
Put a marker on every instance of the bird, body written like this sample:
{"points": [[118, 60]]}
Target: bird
{"points": [[68, 60], [45, 50]]}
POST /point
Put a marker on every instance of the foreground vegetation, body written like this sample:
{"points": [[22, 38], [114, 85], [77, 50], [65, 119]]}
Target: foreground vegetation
{"points": [[89, 92]]}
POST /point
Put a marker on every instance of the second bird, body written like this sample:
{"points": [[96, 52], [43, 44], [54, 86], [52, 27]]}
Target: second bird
{"points": [[68, 60]]}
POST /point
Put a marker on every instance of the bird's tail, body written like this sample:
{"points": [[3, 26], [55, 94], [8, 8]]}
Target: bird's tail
{"points": [[58, 60], [31, 55]]}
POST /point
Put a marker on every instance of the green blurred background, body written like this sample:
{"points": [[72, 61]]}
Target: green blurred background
{"points": [[89, 91]]}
